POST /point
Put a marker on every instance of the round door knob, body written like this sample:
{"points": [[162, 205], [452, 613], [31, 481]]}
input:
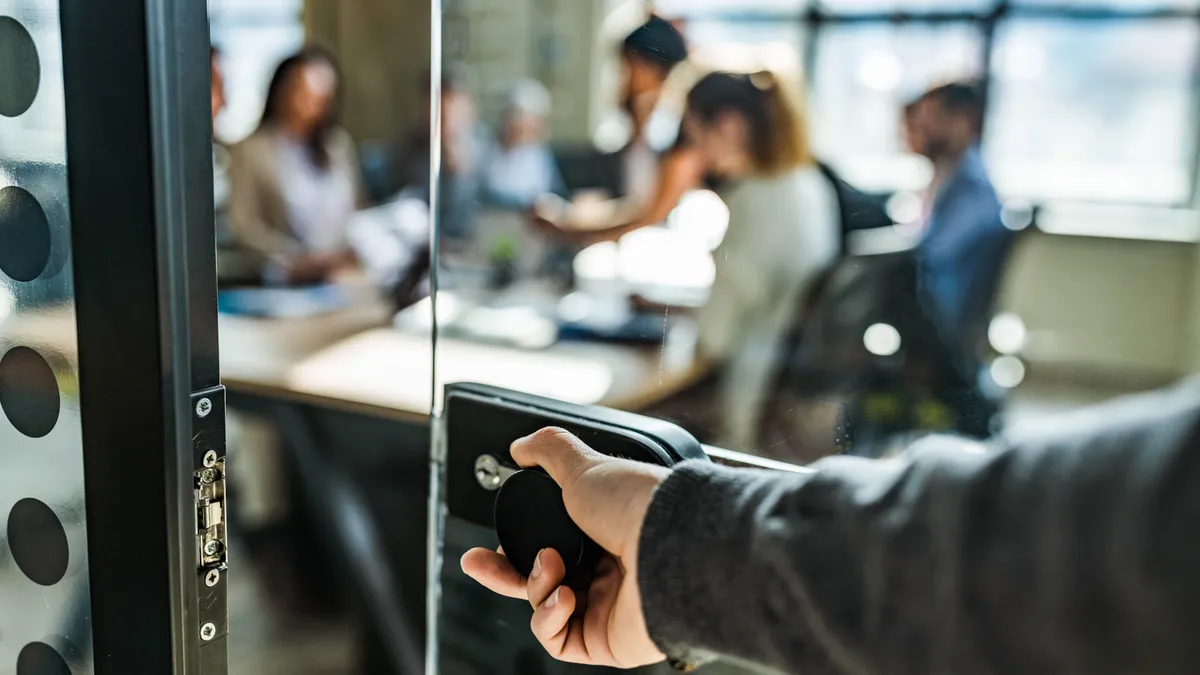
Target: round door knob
{"points": [[531, 517]]}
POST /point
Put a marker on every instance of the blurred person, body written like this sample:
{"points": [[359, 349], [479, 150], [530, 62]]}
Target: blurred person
{"points": [[653, 177], [1068, 548], [784, 233], [649, 55], [464, 147], [521, 166], [295, 179], [220, 152], [964, 246], [216, 82]]}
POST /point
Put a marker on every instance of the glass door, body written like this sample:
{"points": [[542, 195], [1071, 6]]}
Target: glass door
{"points": [[112, 439], [619, 249]]}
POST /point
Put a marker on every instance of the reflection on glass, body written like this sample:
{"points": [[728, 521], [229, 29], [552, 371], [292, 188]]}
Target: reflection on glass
{"points": [[864, 76], [1094, 111]]}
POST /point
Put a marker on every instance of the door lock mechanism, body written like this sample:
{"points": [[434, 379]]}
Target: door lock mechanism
{"points": [[491, 474], [212, 526]]}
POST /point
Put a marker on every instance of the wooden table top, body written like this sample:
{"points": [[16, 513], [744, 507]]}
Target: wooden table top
{"points": [[386, 373], [353, 360]]}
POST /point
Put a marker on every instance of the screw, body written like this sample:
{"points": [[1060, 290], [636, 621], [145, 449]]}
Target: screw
{"points": [[212, 547], [209, 476], [212, 578], [207, 632], [204, 407], [210, 459]]}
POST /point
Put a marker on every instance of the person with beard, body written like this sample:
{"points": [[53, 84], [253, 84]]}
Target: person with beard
{"points": [[964, 244]]}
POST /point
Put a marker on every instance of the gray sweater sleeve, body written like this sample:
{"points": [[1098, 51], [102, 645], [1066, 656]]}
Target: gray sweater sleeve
{"points": [[1070, 550]]}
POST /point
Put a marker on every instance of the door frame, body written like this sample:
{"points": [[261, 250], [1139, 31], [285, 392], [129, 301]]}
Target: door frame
{"points": [[136, 76]]}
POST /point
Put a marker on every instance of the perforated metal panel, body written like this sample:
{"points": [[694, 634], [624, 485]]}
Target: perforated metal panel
{"points": [[44, 585]]}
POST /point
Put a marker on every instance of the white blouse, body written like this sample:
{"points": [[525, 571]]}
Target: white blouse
{"points": [[319, 201], [783, 232]]}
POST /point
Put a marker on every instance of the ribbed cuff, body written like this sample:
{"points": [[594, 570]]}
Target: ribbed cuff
{"points": [[692, 536]]}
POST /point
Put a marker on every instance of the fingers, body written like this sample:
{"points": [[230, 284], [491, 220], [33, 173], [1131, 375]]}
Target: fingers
{"points": [[601, 602], [561, 454], [553, 604], [552, 624], [549, 570], [493, 571], [573, 636]]}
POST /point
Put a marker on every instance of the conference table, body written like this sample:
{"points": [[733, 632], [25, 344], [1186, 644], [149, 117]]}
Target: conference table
{"points": [[353, 360]]}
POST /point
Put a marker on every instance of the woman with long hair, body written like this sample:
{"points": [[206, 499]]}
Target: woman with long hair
{"points": [[295, 180], [784, 231]]}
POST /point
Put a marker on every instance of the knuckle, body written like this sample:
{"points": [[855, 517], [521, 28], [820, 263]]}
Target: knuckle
{"points": [[540, 439], [552, 435]]}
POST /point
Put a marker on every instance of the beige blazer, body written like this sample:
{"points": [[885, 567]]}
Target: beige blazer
{"points": [[258, 216]]}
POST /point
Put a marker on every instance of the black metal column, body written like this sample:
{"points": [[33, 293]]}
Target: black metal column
{"points": [[139, 142]]}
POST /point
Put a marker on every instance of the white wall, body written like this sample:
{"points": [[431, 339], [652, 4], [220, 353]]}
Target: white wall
{"points": [[1193, 356], [1107, 308]]}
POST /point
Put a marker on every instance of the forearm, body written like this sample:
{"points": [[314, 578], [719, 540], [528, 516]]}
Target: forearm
{"points": [[1068, 553]]}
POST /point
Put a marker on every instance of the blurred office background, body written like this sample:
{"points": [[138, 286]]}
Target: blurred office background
{"points": [[1089, 135]]}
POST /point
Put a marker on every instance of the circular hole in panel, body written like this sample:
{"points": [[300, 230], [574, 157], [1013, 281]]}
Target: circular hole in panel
{"points": [[24, 234], [38, 542], [29, 392], [38, 658], [20, 71]]}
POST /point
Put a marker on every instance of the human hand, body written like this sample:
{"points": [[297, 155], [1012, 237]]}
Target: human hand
{"points": [[608, 499], [309, 269], [319, 268], [547, 216]]}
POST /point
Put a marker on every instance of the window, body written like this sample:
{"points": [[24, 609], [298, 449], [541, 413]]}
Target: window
{"points": [[1088, 100], [1111, 4], [915, 6], [863, 76], [747, 45], [727, 7], [1094, 110], [253, 36]]}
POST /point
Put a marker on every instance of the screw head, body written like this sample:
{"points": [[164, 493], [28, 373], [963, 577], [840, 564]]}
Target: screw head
{"points": [[212, 578], [209, 476], [204, 407], [210, 459], [208, 631], [212, 547]]}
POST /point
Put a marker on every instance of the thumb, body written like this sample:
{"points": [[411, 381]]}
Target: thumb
{"points": [[559, 452]]}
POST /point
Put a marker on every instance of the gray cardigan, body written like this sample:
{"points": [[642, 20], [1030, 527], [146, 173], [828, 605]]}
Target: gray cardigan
{"points": [[1070, 551]]}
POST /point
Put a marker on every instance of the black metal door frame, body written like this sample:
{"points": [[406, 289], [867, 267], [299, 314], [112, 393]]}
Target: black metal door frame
{"points": [[140, 183]]}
